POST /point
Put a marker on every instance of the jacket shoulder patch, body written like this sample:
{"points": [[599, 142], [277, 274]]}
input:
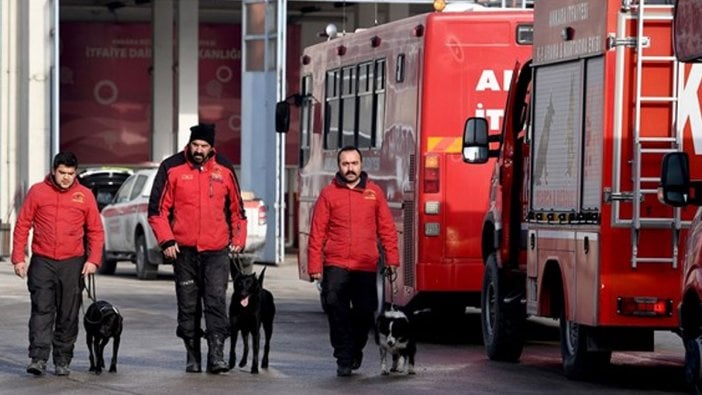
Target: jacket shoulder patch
{"points": [[78, 197]]}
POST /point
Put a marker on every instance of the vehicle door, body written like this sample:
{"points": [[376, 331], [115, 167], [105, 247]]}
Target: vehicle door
{"points": [[114, 216], [133, 207]]}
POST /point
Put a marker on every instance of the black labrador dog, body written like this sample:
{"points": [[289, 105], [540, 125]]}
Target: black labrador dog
{"points": [[251, 307], [102, 321]]}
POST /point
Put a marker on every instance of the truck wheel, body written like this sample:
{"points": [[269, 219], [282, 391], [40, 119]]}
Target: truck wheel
{"points": [[578, 363], [108, 266], [145, 269], [693, 364], [502, 321]]}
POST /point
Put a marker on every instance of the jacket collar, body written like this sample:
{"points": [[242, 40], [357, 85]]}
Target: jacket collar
{"points": [[340, 182], [49, 180]]}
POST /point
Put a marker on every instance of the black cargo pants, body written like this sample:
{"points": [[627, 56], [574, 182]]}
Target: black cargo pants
{"points": [[55, 288], [202, 277], [350, 300]]}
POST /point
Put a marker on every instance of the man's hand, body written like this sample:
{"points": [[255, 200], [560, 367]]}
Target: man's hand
{"points": [[316, 277], [89, 268], [21, 269], [172, 252], [235, 248]]}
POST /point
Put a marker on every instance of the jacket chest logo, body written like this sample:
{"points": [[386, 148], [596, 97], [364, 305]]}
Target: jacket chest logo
{"points": [[217, 175], [78, 197], [369, 194], [187, 177]]}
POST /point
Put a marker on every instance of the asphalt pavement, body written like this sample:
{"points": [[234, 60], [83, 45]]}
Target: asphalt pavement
{"points": [[450, 358]]}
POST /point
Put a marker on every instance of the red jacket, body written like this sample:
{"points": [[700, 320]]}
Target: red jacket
{"points": [[60, 218], [197, 206], [346, 226]]}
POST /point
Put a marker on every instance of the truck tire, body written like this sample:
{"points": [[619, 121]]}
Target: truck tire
{"points": [[108, 266], [693, 361], [145, 269], [502, 321], [578, 363]]}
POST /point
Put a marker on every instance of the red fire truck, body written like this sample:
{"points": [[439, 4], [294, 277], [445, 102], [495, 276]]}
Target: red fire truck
{"points": [[678, 191], [400, 93], [575, 230]]}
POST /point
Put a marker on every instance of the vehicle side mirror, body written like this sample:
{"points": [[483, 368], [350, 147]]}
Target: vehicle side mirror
{"points": [[475, 141], [282, 117], [675, 179]]}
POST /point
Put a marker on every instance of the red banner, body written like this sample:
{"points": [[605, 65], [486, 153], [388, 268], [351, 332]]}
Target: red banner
{"points": [[105, 89]]}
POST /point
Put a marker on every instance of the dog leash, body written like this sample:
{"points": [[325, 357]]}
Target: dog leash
{"points": [[235, 264], [391, 276], [89, 285]]}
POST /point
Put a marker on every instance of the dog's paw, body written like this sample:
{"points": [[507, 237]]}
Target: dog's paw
{"points": [[384, 372], [411, 372], [254, 370], [242, 363], [113, 369]]}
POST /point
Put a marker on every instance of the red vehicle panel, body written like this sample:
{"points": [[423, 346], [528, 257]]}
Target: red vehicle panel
{"points": [[603, 101], [414, 81]]}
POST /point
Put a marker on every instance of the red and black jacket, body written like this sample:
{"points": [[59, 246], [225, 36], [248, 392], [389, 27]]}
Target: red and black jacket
{"points": [[60, 218], [346, 225], [197, 205]]}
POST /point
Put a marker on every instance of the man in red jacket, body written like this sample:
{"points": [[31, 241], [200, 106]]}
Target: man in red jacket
{"points": [[60, 211], [350, 215], [197, 215]]}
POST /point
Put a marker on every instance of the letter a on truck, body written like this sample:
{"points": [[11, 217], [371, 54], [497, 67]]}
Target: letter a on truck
{"points": [[575, 229]]}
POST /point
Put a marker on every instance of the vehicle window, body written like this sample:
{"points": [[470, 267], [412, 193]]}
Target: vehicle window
{"points": [[333, 110], [149, 184], [138, 187], [123, 193]]}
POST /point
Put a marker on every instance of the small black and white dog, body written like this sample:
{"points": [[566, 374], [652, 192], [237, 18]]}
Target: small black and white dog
{"points": [[102, 321], [251, 307], [395, 336]]}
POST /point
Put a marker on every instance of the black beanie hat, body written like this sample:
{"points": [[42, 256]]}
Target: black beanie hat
{"points": [[203, 131]]}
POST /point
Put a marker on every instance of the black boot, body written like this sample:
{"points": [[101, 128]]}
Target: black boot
{"points": [[215, 355], [192, 345]]}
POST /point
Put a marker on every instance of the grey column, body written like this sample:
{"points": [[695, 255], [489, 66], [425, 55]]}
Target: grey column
{"points": [[163, 142], [259, 162], [187, 89]]}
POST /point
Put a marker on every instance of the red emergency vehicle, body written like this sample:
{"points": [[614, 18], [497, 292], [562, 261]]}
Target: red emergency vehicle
{"points": [[577, 230], [678, 191], [400, 93]]}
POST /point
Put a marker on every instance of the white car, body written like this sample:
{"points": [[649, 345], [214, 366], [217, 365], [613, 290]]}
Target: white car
{"points": [[128, 236]]}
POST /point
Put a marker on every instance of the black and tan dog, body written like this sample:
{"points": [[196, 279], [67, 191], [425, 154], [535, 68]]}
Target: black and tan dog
{"points": [[102, 321], [251, 307]]}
